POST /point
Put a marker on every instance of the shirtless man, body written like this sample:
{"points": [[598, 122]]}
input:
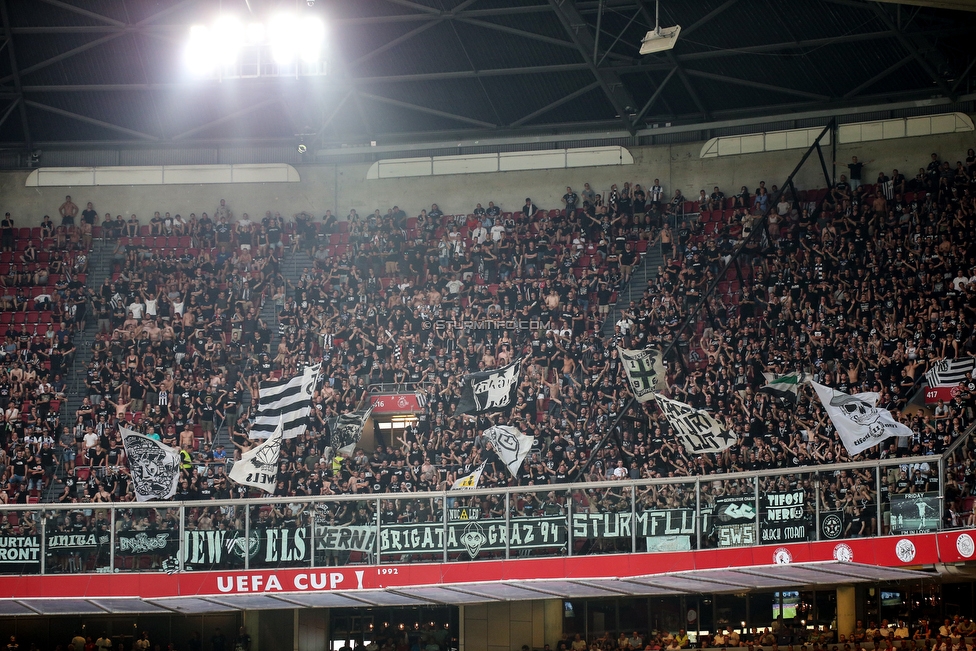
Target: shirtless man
{"points": [[68, 212]]}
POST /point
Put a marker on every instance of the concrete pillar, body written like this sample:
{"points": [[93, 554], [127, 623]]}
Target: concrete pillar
{"points": [[846, 609], [271, 630]]}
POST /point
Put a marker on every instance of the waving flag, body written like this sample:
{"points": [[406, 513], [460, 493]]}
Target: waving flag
{"points": [[155, 467], [510, 445], [258, 466], [697, 430], [490, 390], [785, 387], [470, 480], [645, 372], [346, 430], [286, 401], [858, 421]]}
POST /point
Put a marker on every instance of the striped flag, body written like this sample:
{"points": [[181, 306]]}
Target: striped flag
{"points": [[287, 402], [785, 387], [949, 372]]}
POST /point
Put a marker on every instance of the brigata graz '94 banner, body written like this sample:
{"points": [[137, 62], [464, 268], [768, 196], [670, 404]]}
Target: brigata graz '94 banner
{"points": [[474, 536]]}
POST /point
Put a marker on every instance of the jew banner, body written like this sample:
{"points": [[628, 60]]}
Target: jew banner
{"points": [[915, 513], [489, 390], [783, 517], [695, 428], [645, 372]]}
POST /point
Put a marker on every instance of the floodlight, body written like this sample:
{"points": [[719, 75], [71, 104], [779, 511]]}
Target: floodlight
{"points": [[659, 38], [311, 36], [228, 34], [254, 35], [284, 39], [199, 50]]}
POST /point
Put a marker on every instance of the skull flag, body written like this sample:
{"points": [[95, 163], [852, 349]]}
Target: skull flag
{"points": [[489, 390], [859, 423], [155, 467]]}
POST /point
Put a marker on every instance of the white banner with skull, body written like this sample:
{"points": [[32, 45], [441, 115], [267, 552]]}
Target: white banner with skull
{"points": [[858, 421]]}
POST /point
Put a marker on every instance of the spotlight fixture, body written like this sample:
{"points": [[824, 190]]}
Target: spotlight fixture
{"points": [[659, 38], [302, 148], [287, 38]]}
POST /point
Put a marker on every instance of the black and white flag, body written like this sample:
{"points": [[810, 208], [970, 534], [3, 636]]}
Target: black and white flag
{"points": [[155, 467], [858, 421], [785, 387], [695, 428], [645, 372], [950, 372], [510, 445], [346, 430], [490, 390], [289, 401], [258, 466]]}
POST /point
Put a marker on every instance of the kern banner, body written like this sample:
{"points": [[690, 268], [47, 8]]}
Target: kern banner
{"points": [[783, 517], [20, 550], [914, 513], [669, 522], [474, 536]]}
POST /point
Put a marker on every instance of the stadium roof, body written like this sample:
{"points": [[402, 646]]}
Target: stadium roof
{"points": [[87, 72]]}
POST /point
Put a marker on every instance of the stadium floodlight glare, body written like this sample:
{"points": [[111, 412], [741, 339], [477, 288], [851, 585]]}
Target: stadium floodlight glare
{"points": [[659, 38], [311, 37], [199, 54], [228, 35], [283, 37], [254, 35]]}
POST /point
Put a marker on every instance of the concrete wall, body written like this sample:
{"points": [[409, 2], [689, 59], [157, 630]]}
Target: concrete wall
{"points": [[507, 626], [340, 187]]}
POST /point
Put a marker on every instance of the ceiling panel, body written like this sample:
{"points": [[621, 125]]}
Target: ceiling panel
{"points": [[192, 605], [63, 607], [127, 606]]}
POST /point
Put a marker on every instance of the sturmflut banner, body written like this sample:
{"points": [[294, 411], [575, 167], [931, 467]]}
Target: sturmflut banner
{"points": [[783, 517], [647, 523]]}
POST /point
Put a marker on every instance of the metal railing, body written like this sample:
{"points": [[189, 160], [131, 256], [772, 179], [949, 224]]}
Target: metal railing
{"points": [[611, 517]]}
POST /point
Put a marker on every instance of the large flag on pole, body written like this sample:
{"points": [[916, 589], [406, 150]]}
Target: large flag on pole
{"points": [[785, 387], [510, 445], [697, 430], [858, 421], [470, 480], [489, 390], [645, 372], [258, 466], [286, 401], [346, 430], [155, 467]]}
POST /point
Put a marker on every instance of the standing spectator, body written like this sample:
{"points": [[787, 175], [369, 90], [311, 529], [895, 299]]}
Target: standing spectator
{"points": [[68, 212], [571, 199]]}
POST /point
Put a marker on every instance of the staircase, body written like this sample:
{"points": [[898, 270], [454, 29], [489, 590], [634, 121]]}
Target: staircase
{"points": [[634, 289], [99, 268]]}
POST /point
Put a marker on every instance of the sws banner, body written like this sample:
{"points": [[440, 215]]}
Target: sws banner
{"points": [[472, 537], [735, 518], [670, 522], [783, 517], [914, 513]]}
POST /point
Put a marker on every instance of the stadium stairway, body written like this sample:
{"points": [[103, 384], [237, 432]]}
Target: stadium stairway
{"points": [[99, 268], [634, 289]]}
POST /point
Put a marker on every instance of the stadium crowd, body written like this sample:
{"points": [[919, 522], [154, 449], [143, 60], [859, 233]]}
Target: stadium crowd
{"points": [[862, 286]]}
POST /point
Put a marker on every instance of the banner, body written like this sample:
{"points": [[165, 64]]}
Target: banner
{"points": [[784, 517], [831, 525], [469, 480], [669, 543], [645, 372], [669, 522], [136, 543], [258, 467], [695, 428], [155, 467], [264, 547], [474, 536], [350, 538], [20, 550], [858, 421], [489, 390], [510, 445], [915, 513], [57, 542], [345, 430], [734, 519]]}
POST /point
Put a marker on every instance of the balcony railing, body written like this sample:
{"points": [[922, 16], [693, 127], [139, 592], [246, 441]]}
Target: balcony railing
{"points": [[896, 496]]}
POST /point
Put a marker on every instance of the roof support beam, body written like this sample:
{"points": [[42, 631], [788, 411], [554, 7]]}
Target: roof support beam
{"points": [[759, 85], [559, 102], [609, 80], [227, 118], [657, 93], [391, 44], [424, 109], [9, 111], [708, 17], [83, 12], [878, 77], [85, 118], [517, 32], [334, 113], [65, 55], [5, 16], [914, 51]]}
